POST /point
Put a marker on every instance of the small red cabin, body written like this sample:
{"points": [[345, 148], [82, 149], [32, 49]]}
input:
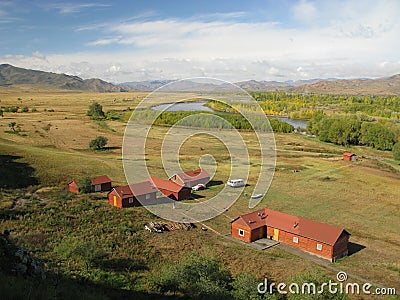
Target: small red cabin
{"points": [[133, 195], [349, 156], [191, 178], [326, 241], [171, 189], [73, 187], [101, 184]]}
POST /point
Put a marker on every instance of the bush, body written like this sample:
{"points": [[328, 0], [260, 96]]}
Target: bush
{"points": [[396, 151], [1, 113], [199, 277], [12, 125], [84, 184], [96, 112], [98, 143], [25, 109]]}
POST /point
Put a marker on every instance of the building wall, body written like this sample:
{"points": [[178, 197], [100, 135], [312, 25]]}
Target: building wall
{"points": [[235, 232], [340, 248], [111, 195], [185, 193], [125, 202], [258, 233], [152, 197], [73, 187], [106, 187], [350, 158], [304, 243], [103, 187]]}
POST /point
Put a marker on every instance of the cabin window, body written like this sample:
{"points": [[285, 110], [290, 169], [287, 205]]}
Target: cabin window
{"points": [[241, 232], [147, 196], [130, 200], [295, 239], [319, 247]]}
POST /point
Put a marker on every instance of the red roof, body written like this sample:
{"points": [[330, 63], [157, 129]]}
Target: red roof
{"points": [[348, 154], [193, 175], [73, 182], [135, 189], [101, 179], [314, 230], [166, 184]]}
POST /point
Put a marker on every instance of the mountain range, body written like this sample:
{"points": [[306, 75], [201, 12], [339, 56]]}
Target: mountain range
{"points": [[14, 76]]}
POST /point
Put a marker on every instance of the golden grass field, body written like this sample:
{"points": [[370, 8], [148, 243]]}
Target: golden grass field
{"points": [[363, 197]]}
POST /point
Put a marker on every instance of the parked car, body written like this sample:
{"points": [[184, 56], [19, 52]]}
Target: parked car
{"points": [[199, 187], [236, 182]]}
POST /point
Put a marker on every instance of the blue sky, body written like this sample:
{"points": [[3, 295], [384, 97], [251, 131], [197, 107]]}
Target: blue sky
{"points": [[233, 40]]}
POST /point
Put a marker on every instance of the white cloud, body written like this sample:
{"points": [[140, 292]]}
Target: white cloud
{"points": [[304, 11], [39, 55], [351, 39], [68, 8]]}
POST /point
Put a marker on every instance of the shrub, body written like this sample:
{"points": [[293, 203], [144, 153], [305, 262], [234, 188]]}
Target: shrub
{"points": [[12, 125], [98, 143], [25, 109], [200, 277], [396, 151], [1, 113], [84, 184], [96, 112]]}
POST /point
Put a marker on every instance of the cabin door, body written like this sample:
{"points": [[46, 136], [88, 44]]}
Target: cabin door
{"points": [[276, 235], [115, 200], [97, 188]]}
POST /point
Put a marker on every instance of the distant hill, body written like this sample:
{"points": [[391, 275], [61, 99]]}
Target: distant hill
{"points": [[12, 76], [147, 86], [380, 86], [277, 86]]}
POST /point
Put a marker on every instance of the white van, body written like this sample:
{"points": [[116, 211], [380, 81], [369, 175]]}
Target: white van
{"points": [[236, 182]]}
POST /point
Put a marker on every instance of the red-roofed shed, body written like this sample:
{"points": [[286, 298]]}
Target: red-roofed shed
{"points": [[101, 184], [324, 240], [73, 187], [191, 178], [349, 156], [133, 195], [171, 189]]}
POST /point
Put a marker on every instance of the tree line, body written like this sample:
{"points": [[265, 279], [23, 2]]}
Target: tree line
{"points": [[210, 120], [353, 130], [304, 105]]}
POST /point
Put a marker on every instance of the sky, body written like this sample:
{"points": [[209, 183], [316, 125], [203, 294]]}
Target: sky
{"points": [[232, 40]]}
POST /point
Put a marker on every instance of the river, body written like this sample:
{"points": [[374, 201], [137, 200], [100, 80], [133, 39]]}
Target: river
{"points": [[199, 106]]}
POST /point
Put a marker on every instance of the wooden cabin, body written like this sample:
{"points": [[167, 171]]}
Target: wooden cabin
{"points": [[101, 184], [349, 156], [326, 241], [133, 195], [171, 189], [73, 187], [191, 178]]}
